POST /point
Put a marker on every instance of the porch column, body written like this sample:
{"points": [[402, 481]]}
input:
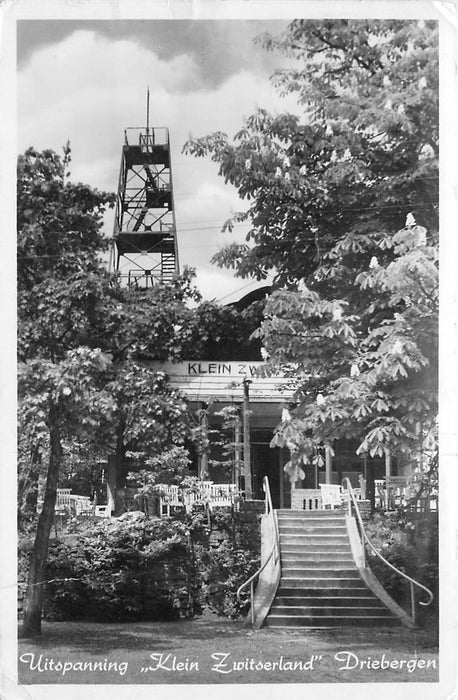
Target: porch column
{"points": [[328, 463], [387, 463], [203, 457], [237, 450], [281, 462], [246, 441]]}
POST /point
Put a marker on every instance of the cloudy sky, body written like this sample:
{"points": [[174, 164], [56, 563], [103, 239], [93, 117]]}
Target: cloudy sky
{"points": [[85, 81]]}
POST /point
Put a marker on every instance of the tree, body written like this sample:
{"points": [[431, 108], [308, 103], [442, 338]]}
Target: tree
{"points": [[358, 156], [81, 344], [60, 370], [334, 193], [57, 397], [368, 373], [59, 222]]}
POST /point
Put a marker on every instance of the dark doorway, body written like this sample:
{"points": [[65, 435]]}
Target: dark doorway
{"points": [[266, 462]]}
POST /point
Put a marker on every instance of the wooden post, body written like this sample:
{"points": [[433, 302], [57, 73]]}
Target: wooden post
{"points": [[387, 463], [388, 489], [328, 462], [246, 440], [237, 449], [203, 466], [282, 478]]}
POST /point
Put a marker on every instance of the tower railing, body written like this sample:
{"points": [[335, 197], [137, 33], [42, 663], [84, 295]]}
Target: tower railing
{"points": [[146, 135]]}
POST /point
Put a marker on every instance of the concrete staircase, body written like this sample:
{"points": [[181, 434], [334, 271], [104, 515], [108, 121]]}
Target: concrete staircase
{"points": [[320, 585]]}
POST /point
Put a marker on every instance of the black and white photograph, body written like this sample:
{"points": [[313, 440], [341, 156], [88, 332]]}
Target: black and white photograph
{"points": [[230, 400]]}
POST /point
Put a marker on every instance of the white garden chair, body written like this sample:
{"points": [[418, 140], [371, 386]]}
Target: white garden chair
{"points": [[331, 495]]}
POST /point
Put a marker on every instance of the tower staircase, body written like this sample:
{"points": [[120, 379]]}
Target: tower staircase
{"points": [[313, 572]]}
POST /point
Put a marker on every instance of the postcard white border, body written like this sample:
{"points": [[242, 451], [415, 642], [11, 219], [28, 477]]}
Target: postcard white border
{"points": [[446, 14]]}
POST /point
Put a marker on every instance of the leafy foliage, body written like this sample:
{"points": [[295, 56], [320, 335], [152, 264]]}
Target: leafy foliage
{"points": [[232, 559], [123, 570], [366, 370], [359, 154], [149, 569], [59, 222], [168, 467], [411, 545], [80, 342], [334, 195], [225, 332], [226, 569]]}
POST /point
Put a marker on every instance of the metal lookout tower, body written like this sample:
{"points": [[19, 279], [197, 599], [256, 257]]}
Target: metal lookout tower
{"points": [[144, 250]]}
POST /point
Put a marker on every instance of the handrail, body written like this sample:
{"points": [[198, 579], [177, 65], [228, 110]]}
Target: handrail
{"points": [[275, 549], [412, 581]]}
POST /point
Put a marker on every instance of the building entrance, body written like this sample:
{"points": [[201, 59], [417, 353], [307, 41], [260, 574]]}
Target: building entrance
{"points": [[268, 461]]}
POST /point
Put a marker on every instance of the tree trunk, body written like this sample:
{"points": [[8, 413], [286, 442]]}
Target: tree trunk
{"points": [[28, 485], [37, 572], [115, 466]]}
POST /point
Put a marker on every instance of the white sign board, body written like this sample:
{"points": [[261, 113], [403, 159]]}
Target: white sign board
{"points": [[204, 380]]}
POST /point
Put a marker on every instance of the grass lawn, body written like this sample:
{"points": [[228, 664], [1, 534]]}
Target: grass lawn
{"points": [[212, 649]]}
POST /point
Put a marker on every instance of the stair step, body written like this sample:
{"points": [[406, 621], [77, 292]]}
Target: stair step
{"points": [[300, 550], [293, 544], [331, 516], [333, 534], [327, 525], [321, 548], [336, 621], [313, 565], [338, 600], [309, 513], [288, 591], [298, 528], [323, 611], [314, 583], [320, 533], [315, 559], [313, 538], [318, 571]]}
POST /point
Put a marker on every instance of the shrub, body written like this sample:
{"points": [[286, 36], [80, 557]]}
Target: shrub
{"points": [[410, 543], [233, 556], [123, 570], [226, 568], [137, 568]]}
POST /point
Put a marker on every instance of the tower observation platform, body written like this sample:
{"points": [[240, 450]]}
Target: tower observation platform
{"points": [[144, 245]]}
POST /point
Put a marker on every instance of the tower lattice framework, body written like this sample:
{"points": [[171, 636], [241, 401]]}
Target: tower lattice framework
{"points": [[144, 250]]}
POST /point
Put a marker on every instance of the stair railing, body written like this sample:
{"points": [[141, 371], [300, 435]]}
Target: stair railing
{"points": [[273, 554], [365, 540]]}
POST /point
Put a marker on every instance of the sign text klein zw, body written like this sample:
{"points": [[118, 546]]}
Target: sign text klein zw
{"points": [[241, 369]]}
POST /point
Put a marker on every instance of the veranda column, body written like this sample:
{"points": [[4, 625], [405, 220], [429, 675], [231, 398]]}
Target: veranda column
{"points": [[237, 450], [388, 486], [328, 463], [203, 466], [387, 463], [246, 440]]}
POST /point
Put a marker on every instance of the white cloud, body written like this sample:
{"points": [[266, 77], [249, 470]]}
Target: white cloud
{"points": [[89, 88]]}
